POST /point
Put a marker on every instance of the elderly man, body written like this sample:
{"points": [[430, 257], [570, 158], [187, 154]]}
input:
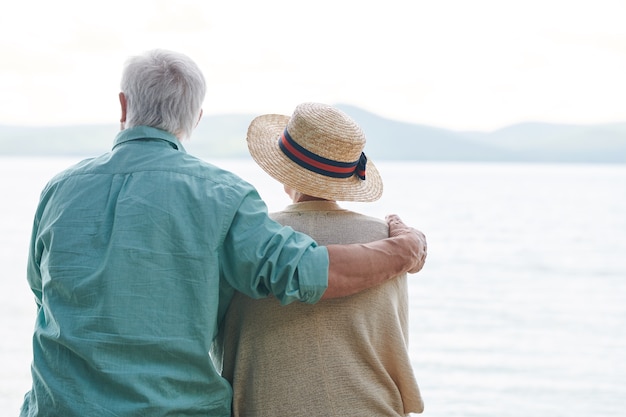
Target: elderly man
{"points": [[135, 256]]}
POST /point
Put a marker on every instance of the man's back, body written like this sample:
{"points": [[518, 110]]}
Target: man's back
{"points": [[338, 357], [124, 263]]}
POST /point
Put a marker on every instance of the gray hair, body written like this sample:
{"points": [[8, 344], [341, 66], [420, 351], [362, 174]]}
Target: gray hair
{"points": [[163, 89]]}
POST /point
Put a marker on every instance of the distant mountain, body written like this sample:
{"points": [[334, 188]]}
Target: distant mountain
{"points": [[527, 142], [567, 143], [390, 139], [224, 136]]}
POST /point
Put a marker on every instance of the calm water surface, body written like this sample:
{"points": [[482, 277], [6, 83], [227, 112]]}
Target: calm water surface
{"points": [[520, 310]]}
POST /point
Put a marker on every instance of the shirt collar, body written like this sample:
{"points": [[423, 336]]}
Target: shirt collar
{"points": [[316, 205], [147, 132]]}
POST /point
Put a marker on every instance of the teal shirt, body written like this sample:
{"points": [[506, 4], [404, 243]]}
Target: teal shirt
{"points": [[133, 261]]}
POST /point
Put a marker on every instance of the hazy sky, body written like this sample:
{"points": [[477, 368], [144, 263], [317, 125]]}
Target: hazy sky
{"points": [[458, 64]]}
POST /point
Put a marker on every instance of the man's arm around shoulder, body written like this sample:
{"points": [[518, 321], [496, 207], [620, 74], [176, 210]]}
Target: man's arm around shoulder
{"points": [[356, 267]]}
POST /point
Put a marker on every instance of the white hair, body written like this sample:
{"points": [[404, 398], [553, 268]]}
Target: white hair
{"points": [[163, 89]]}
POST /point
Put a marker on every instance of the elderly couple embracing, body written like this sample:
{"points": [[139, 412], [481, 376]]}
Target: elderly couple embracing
{"points": [[164, 288]]}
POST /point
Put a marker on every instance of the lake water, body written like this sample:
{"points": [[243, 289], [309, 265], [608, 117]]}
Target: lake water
{"points": [[520, 310]]}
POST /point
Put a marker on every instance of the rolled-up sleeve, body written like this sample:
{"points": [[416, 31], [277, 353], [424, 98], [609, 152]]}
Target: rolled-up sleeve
{"points": [[260, 257]]}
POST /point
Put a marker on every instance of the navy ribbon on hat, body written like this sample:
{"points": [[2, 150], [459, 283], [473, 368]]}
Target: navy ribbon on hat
{"points": [[313, 162]]}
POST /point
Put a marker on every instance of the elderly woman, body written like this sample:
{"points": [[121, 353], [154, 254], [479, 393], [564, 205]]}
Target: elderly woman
{"points": [[338, 357]]}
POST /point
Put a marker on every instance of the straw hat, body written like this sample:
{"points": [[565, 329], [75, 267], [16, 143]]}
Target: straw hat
{"points": [[317, 151]]}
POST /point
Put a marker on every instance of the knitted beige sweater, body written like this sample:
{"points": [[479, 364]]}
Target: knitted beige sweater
{"points": [[342, 357]]}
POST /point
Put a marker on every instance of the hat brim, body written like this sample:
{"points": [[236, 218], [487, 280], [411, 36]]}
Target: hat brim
{"points": [[263, 134]]}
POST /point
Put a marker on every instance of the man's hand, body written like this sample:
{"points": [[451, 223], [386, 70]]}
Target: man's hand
{"points": [[415, 240]]}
